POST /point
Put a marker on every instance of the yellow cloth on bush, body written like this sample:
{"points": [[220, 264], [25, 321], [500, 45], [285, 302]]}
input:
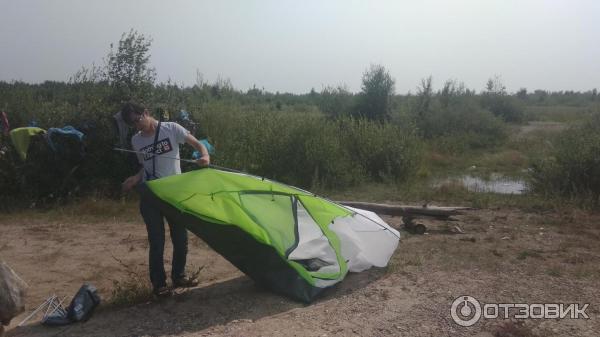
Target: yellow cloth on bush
{"points": [[21, 137]]}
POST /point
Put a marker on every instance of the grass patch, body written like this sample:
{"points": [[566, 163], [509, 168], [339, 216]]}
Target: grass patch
{"points": [[129, 291], [507, 162], [558, 113], [409, 258], [528, 253], [586, 271], [513, 329], [88, 210], [421, 191], [134, 288], [554, 272]]}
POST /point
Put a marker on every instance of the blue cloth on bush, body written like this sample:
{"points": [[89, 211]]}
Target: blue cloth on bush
{"points": [[184, 116], [209, 148], [68, 131]]}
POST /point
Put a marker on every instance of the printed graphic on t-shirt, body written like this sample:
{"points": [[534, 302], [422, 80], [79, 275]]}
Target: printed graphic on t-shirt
{"points": [[162, 146]]}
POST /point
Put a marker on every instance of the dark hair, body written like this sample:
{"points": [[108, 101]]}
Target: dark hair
{"points": [[129, 109]]}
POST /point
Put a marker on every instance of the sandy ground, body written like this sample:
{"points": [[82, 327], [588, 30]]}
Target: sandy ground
{"points": [[503, 256]]}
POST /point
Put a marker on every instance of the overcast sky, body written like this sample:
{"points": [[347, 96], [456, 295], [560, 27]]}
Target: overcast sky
{"points": [[293, 46]]}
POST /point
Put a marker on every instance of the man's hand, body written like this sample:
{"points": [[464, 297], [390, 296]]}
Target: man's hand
{"points": [[198, 146], [130, 182], [204, 160]]}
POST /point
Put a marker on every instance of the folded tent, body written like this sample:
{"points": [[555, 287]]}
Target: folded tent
{"points": [[21, 138], [284, 238]]}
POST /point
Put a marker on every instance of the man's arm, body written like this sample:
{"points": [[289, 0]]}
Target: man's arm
{"points": [[130, 182], [196, 144]]}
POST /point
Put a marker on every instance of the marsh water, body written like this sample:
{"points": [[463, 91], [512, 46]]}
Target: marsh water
{"points": [[495, 184]]}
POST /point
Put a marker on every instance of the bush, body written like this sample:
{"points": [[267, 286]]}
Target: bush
{"points": [[572, 168], [496, 100], [503, 106], [336, 102], [292, 142], [383, 150], [460, 125], [306, 149]]}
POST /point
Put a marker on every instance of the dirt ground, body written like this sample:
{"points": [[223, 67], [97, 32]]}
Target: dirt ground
{"points": [[502, 256]]}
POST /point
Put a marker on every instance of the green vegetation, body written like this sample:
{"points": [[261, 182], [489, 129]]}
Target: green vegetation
{"points": [[454, 121], [332, 141], [374, 102], [572, 166], [306, 149], [132, 289], [496, 100]]}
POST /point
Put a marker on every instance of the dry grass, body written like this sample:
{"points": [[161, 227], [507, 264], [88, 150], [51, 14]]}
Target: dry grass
{"points": [[529, 253], [88, 210], [513, 329], [132, 289]]}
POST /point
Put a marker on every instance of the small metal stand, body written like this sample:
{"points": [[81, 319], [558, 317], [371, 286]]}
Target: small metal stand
{"points": [[51, 305]]}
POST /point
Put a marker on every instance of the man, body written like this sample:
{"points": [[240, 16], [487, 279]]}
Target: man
{"points": [[153, 140]]}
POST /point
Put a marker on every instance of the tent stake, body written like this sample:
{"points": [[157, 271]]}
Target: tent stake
{"points": [[35, 311]]}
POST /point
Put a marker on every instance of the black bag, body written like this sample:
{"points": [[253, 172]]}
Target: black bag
{"points": [[83, 304], [80, 309]]}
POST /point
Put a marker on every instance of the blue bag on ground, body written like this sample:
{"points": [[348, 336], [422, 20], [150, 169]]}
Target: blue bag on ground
{"points": [[83, 304], [80, 309]]}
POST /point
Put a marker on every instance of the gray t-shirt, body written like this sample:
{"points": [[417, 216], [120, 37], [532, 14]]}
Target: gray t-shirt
{"points": [[167, 144]]}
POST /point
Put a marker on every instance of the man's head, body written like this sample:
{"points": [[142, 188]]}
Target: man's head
{"points": [[133, 113]]}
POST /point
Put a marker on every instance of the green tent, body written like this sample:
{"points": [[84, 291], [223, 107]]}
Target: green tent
{"points": [[284, 238]]}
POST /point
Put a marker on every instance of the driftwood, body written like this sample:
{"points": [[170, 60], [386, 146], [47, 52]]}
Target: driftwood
{"points": [[407, 211]]}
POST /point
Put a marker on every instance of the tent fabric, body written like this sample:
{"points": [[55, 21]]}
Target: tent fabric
{"points": [[282, 237], [21, 138], [66, 131], [67, 143]]}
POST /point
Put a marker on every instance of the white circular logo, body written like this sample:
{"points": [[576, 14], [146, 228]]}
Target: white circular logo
{"points": [[465, 310]]}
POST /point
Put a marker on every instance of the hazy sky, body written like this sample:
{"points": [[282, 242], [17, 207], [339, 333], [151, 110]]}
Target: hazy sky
{"points": [[293, 46]]}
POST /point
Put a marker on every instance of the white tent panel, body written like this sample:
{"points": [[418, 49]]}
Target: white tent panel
{"points": [[366, 240], [312, 243]]}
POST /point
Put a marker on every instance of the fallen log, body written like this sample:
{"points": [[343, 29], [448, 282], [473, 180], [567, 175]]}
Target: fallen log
{"points": [[407, 211]]}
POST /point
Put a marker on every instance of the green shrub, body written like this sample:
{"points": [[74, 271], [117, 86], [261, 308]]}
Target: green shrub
{"points": [[383, 150], [307, 149], [506, 107], [572, 168], [292, 142], [461, 126], [496, 99]]}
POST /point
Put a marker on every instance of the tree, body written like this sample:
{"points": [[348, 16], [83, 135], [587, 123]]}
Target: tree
{"points": [[376, 95], [336, 101], [450, 92], [495, 86], [128, 67], [424, 96], [522, 94], [496, 100]]}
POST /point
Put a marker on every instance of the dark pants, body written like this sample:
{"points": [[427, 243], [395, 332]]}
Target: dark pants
{"points": [[156, 237]]}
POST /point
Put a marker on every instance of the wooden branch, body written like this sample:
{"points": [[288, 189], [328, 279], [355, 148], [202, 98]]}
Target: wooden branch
{"points": [[404, 210]]}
